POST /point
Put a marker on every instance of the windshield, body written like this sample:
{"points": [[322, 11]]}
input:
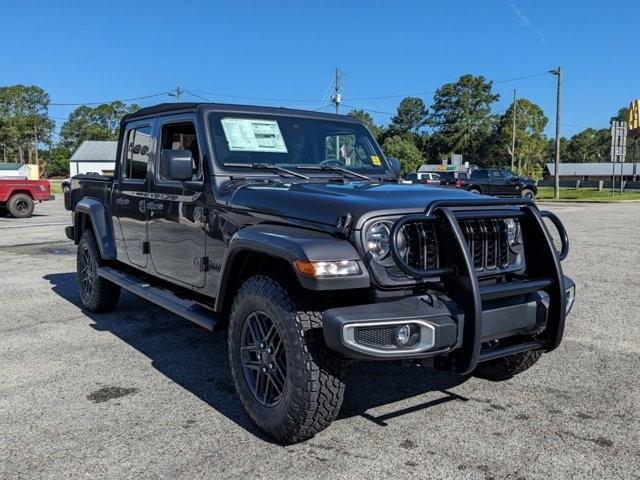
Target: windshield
{"points": [[294, 142]]}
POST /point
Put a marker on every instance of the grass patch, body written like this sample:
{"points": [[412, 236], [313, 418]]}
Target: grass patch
{"points": [[56, 186], [587, 195]]}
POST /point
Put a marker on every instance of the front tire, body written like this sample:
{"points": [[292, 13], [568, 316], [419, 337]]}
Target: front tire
{"points": [[528, 194], [97, 294], [20, 205], [288, 382], [507, 367]]}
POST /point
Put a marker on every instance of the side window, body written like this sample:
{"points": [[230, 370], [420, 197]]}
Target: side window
{"points": [[182, 136], [137, 153], [480, 174]]}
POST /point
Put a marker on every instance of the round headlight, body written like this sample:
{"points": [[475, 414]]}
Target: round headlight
{"points": [[377, 240], [512, 230]]}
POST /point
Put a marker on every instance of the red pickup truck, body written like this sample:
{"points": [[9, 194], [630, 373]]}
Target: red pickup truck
{"points": [[18, 195]]}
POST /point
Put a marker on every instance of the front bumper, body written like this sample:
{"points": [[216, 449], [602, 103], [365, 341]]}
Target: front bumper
{"points": [[522, 314]]}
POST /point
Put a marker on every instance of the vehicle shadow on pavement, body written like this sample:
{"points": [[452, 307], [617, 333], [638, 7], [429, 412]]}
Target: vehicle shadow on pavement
{"points": [[197, 360]]}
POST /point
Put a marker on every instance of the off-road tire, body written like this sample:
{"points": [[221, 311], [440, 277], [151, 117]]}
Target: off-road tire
{"points": [[475, 190], [314, 386], [506, 367], [528, 193], [20, 205], [104, 294]]}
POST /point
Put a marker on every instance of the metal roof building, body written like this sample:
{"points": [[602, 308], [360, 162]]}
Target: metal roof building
{"points": [[585, 171], [93, 156]]}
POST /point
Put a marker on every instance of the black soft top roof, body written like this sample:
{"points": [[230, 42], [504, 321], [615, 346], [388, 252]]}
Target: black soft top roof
{"points": [[224, 107]]}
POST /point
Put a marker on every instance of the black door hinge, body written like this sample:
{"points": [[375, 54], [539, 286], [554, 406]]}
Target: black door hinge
{"points": [[202, 263], [146, 248]]}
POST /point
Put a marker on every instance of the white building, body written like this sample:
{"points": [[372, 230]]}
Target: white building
{"points": [[93, 156], [18, 170]]}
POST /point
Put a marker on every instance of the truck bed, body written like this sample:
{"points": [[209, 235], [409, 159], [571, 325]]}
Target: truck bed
{"points": [[96, 186]]}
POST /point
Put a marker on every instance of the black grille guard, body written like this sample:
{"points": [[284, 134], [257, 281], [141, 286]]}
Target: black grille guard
{"points": [[456, 271]]}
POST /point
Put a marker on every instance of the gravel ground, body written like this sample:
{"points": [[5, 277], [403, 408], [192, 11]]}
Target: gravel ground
{"points": [[141, 393]]}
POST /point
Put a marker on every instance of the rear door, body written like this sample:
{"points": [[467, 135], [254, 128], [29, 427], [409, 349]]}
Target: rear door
{"points": [[130, 190], [176, 213]]}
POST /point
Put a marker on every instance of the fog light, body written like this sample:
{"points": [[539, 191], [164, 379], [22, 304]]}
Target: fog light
{"points": [[403, 334]]}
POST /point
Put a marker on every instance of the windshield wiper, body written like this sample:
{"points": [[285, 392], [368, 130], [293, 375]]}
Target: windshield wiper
{"points": [[331, 168], [265, 166]]}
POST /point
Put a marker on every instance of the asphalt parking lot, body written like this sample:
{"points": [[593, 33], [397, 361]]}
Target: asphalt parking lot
{"points": [[141, 393]]}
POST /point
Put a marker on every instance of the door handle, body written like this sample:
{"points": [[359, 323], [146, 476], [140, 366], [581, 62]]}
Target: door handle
{"points": [[122, 201]]}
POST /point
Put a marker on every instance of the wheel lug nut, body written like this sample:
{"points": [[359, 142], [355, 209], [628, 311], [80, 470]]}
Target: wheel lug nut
{"points": [[269, 350], [264, 369], [271, 366]]}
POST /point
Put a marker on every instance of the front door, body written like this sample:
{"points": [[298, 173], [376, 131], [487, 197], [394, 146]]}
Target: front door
{"points": [[176, 225], [129, 193]]}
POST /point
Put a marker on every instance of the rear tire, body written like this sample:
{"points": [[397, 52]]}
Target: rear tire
{"points": [[97, 294], [311, 377], [20, 205], [506, 367], [528, 194]]}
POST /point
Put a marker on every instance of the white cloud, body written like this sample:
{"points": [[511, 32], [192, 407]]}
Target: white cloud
{"points": [[526, 22]]}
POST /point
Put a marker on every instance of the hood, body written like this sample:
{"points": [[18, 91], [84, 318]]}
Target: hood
{"points": [[326, 202]]}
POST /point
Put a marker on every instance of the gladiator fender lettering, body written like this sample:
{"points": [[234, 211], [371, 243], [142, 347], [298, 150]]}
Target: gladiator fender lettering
{"points": [[291, 244], [101, 223]]}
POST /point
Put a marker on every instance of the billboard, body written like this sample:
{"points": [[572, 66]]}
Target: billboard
{"points": [[634, 118]]}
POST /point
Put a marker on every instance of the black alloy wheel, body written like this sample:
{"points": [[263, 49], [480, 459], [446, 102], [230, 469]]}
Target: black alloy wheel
{"points": [[86, 272], [263, 359]]}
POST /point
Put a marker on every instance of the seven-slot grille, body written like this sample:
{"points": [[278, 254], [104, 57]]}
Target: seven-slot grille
{"points": [[487, 242], [422, 243]]}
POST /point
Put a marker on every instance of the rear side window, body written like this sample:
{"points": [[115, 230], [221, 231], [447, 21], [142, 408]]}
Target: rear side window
{"points": [[138, 147], [480, 174]]}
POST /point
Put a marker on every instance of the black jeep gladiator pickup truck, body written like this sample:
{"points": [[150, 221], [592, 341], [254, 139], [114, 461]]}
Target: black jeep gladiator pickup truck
{"points": [[501, 183], [291, 227]]}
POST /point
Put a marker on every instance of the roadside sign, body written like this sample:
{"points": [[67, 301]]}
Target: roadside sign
{"points": [[634, 118], [618, 141]]}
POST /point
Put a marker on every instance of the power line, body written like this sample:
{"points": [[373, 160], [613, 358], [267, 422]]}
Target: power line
{"points": [[108, 101], [533, 75]]}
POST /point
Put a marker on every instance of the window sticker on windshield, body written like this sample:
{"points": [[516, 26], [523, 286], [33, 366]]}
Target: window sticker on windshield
{"points": [[253, 135], [376, 160]]}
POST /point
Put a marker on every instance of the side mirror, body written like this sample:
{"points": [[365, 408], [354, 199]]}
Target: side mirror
{"points": [[176, 165], [394, 163]]}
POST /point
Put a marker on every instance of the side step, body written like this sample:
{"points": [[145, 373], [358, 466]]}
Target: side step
{"points": [[185, 308]]}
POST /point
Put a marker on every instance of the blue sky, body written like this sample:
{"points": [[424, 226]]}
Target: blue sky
{"points": [[286, 51]]}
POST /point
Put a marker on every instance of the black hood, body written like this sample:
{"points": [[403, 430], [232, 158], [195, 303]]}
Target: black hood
{"points": [[325, 202]]}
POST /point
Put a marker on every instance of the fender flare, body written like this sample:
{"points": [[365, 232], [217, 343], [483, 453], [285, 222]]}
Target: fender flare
{"points": [[101, 224], [291, 244]]}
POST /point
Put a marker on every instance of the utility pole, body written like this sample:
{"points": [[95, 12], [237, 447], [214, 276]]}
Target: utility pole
{"points": [[556, 187], [35, 141], [513, 135], [176, 93], [337, 97]]}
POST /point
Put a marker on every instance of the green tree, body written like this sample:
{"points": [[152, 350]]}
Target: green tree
{"points": [[590, 145], [621, 116], [531, 143], [404, 150], [367, 119], [56, 162], [24, 121], [99, 123], [461, 118], [410, 117]]}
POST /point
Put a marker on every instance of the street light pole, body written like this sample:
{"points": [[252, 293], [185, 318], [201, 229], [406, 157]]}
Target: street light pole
{"points": [[513, 135], [556, 187]]}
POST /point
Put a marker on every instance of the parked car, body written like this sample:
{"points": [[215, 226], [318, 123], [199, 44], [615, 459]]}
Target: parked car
{"points": [[427, 178], [18, 195], [448, 178], [290, 227], [501, 183]]}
